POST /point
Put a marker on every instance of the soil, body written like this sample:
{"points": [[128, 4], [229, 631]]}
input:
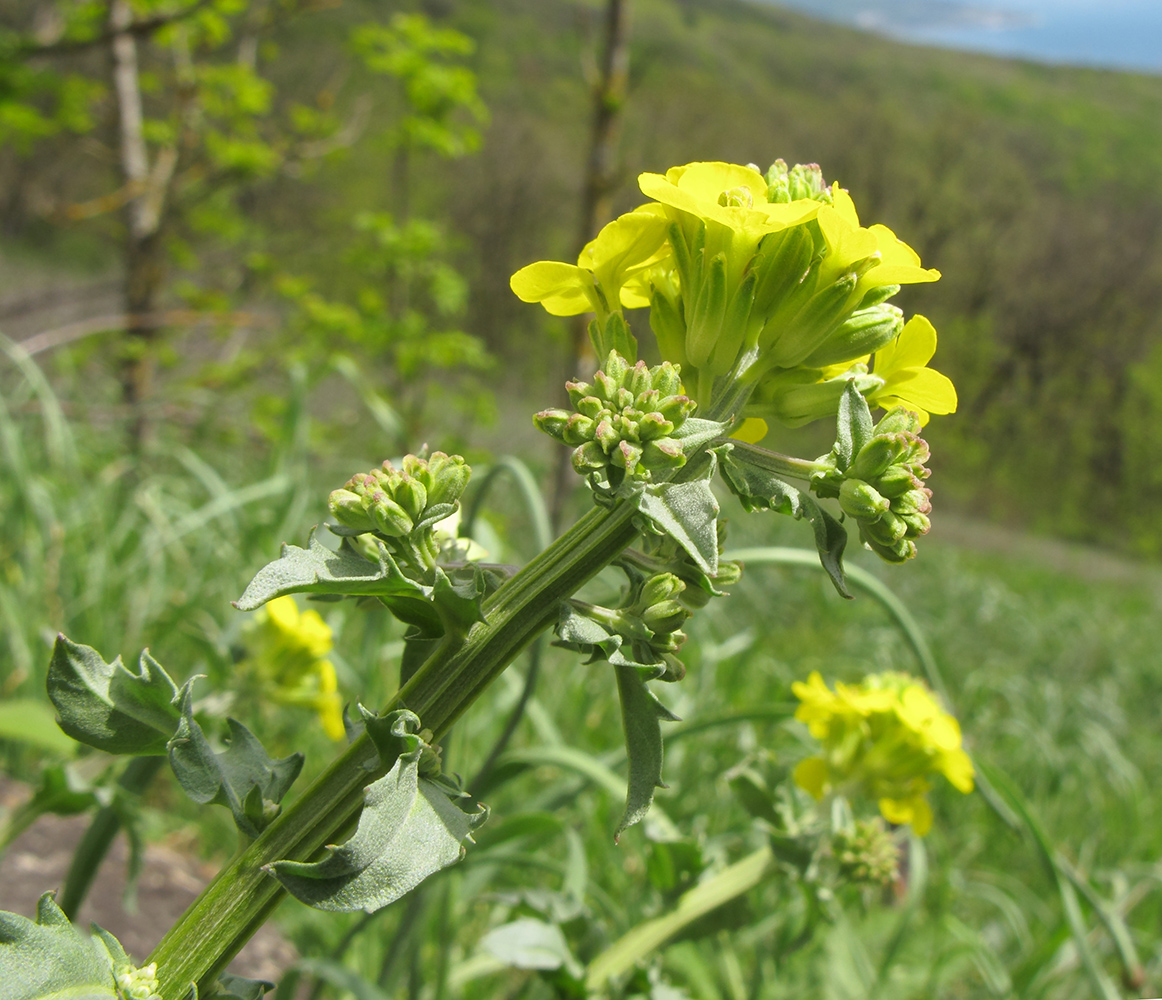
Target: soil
{"points": [[37, 861]]}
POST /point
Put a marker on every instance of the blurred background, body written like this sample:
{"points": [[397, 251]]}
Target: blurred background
{"points": [[250, 247]]}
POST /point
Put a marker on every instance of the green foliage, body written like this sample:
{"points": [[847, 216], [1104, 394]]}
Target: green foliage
{"points": [[105, 705], [411, 826], [51, 959]]}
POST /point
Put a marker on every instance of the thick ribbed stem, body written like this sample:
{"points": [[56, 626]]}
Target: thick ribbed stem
{"points": [[242, 896]]}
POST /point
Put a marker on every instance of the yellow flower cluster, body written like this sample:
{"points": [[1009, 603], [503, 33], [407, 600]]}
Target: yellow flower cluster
{"points": [[882, 738], [770, 279], [289, 650]]}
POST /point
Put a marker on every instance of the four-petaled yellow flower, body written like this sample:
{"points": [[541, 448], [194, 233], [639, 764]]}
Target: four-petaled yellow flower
{"points": [[907, 379], [767, 279], [881, 738], [289, 650]]}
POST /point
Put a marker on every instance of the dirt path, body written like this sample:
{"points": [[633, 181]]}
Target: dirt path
{"points": [[38, 860]]}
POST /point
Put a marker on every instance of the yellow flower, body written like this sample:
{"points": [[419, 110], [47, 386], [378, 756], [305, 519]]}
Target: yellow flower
{"points": [[288, 649], [907, 381], [881, 738], [598, 282]]}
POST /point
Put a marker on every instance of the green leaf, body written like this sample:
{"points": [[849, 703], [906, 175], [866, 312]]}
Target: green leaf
{"points": [[409, 829], [242, 778], [319, 570], [457, 599], [230, 987], [580, 633], [530, 944], [853, 428], [641, 715], [106, 706], [51, 959], [696, 432], [760, 489], [342, 978], [31, 722], [688, 513], [64, 793]]}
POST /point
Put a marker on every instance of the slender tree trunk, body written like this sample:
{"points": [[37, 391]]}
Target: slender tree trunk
{"points": [[609, 95], [144, 263]]}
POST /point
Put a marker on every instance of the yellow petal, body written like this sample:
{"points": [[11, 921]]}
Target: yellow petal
{"points": [[283, 613], [957, 768], [846, 243], [811, 775], [314, 634], [897, 274], [844, 205], [913, 348], [925, 388], [627, 241], [563, 289], [752, 430]]}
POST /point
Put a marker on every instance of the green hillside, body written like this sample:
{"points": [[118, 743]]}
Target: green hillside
{"points": [[1033, 189]]}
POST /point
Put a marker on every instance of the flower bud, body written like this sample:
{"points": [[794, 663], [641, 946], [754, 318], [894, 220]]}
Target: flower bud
{"points": [[578, 430], [626, 456], [412, 497], [666, 379], [590, 457], [664, 453], [389, 517], [616, 371], [553, 423], [449, 478], [867, 854], [861, 501], [660, 587], [606, 435], [579, 391], [653, 426], [864, 332], [347, 508]]}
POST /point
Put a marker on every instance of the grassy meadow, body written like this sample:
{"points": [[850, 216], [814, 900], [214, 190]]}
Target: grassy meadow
{"points": [[1033, 189]]}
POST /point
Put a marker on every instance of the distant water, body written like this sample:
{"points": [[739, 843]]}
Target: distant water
{"points": [[1116, 34]]}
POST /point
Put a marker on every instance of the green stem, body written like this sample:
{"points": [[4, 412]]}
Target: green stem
{"points": [[98, 838], [242, 895], [779, 464]]}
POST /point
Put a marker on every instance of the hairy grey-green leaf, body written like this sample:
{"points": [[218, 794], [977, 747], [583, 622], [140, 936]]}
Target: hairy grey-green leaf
{"points": [[695, 432], [641, 716], [760, 489], [688, 513], [106, 706], [242, 777], [231, 987], [853, 428], [409, 829], [529, 943], [50, 959], [319, 570]]}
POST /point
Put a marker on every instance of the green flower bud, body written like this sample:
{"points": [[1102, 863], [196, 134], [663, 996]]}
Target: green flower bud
{"points": [[590, 457], [861, 501], [864, 332], [553, 423], [347, 508], [913, 502], [666, 379], [616, 371], [821, 314], [782, 260], [676, 409], [579, 429], [579, 391], [867, 855], [878, 454], [592, 406], [897, 480], [640, 380], [664, 453], [653, 426], [658, 588], [412, 496], [708, 313], [449, 478], [669, 327], [626, 456], [389, 517], [606, 435], [137, 984]]}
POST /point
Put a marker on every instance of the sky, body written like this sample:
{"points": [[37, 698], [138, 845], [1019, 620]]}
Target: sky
{"points": [[1115, 34]]}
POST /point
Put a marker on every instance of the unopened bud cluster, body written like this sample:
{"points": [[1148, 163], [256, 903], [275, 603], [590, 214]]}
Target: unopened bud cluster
{"points": [[394, 502], [659, 608], [137, 984], [883, 487], [804, 180], [866, 854], [623, 420]]}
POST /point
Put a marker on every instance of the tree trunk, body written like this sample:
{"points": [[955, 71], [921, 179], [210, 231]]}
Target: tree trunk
{"points": [[609, 96], [144, 262]]}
